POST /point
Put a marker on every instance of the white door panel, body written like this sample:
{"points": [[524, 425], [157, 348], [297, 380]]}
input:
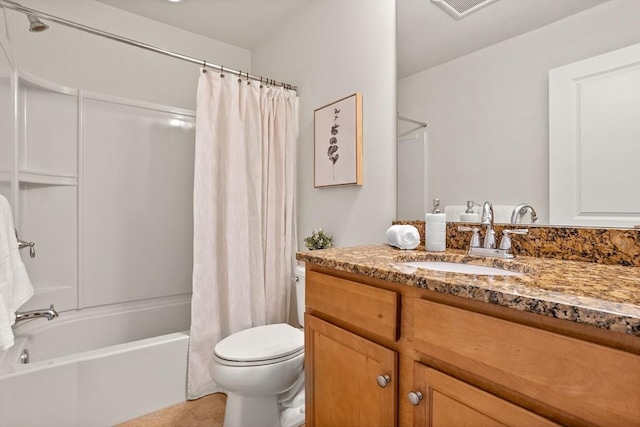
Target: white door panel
{"points": [[594, 140]]}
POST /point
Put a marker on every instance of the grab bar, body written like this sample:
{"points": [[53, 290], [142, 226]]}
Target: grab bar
{"points": [[24, 244]]}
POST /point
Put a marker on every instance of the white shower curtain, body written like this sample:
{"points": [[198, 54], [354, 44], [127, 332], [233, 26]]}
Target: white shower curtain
{"points": [[244, 214]]}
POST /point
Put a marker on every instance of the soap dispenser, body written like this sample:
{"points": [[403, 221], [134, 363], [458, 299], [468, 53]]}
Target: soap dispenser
{"points": [[436, 229], [469, 215]]}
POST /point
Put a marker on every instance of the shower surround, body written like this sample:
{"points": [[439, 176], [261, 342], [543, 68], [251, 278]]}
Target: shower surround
{"points": [[103, 187]]}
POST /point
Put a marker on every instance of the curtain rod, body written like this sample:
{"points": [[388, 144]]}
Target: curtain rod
{"points": [[422, 124], [203, 63]]}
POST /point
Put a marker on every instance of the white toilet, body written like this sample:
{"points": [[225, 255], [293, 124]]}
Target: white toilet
{"points": [[262, 369]]}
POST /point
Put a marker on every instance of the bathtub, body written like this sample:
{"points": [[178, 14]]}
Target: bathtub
{"points": [[97, 366]]}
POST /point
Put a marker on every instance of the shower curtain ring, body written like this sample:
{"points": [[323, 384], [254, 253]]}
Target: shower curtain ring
{"points": [[248, 82], [240, 77], [222, 71], [260, 82], [204, 66]]}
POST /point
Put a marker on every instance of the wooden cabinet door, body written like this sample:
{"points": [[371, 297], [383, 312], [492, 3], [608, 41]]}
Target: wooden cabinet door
{"points": [[448, 402], [342, 372]]}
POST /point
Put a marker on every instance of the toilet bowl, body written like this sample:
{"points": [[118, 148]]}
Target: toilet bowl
{"points": [[262, 369]]}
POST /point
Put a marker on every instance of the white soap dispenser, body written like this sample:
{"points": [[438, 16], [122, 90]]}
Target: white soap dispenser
{"points": [[469, 215], [436, 229]]}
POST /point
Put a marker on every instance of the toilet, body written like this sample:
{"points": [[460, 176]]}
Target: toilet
{"points": [[262, 369]]}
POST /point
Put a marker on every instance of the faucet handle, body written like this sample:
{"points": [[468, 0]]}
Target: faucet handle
{"points": [[475, 238], [505, 243], [521, 231]]}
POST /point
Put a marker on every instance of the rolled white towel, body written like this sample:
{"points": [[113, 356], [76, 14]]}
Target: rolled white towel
{"points": [[403, 236]]}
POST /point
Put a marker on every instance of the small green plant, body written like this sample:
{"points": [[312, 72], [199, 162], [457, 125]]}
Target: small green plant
{"points": [[318, 240]]}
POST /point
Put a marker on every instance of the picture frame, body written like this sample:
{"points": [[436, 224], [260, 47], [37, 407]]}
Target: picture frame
{"points": [[338, 143]]}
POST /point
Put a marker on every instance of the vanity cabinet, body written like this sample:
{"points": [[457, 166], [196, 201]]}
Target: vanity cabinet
{"points": [[472, 363]]}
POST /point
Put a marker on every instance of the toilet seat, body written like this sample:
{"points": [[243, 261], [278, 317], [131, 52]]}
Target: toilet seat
{"points": [[262, 345]]}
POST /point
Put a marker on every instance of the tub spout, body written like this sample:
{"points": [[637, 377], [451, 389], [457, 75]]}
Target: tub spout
{"points": [[50, 313]]}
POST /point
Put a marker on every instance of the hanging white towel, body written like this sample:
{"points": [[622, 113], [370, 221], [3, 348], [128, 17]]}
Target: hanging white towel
{"points": [[403, 236], [15, 286]]}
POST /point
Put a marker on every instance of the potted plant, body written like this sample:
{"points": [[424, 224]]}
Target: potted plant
{"points": [[318, 240]]}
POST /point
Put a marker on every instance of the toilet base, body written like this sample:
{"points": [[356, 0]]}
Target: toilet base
{"points": [[251, 411], [293, 416], [248, 411]]}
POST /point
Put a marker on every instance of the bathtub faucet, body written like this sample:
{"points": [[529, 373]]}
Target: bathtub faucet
{"points": [[50, 313]]}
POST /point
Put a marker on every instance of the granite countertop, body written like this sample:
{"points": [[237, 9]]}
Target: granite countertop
{"points": [[603, 296]]}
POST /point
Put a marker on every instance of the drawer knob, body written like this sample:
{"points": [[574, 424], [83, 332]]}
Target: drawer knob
{"points": [[383, 380], [414, 397]]}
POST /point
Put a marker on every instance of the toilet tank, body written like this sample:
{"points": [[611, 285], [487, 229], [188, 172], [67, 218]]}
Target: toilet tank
{"points": [[299, 280]]}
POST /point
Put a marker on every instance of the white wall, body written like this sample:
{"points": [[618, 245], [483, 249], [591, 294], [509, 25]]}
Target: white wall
{"points": [[487, 112], [332, 49], [77, 59]]}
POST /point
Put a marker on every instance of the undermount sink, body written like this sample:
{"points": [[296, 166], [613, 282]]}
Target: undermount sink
{"points": [[454, 267]]}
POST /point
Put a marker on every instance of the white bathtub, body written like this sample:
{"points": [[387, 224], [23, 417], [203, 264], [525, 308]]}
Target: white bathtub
{"points": [[97, 366]]}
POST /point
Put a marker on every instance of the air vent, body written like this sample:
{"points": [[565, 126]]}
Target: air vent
{"points": [[461, 8]]}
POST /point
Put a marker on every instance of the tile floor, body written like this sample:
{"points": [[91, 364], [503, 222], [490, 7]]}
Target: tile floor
{"points": [[207, 411]]}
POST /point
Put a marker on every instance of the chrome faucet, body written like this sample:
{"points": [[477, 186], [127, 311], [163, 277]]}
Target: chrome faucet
{"points": [[50, 313], [522, 209], [488, 248], [486, 219]]}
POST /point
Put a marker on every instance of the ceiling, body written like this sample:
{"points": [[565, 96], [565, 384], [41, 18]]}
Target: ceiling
{"points": [[427, 36], [241, 23]]}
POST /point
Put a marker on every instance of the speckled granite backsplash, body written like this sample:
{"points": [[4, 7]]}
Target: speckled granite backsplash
{"points": [[611, 246]]}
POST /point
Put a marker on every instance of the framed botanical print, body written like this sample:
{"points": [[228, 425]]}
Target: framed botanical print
{"points": [[338, 143]]}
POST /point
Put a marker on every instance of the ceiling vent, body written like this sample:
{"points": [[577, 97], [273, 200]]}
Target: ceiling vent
{"points": [[461, 8]]}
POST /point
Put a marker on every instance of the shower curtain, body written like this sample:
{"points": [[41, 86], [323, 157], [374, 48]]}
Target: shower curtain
{"points": [[244, 214]]}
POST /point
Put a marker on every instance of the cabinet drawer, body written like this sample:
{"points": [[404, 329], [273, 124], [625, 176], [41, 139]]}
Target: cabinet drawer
{"points": [[596, 384], [366, 307]]}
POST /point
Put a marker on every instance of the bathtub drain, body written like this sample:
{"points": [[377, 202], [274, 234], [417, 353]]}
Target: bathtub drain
{"points": [[24, 356]]}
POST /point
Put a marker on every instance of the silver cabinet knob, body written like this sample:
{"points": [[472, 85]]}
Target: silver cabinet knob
{"points": [[383, 380], [414, 397]]}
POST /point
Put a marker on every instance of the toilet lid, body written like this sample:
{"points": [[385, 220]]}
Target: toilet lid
{"points": [[261, 343]]}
